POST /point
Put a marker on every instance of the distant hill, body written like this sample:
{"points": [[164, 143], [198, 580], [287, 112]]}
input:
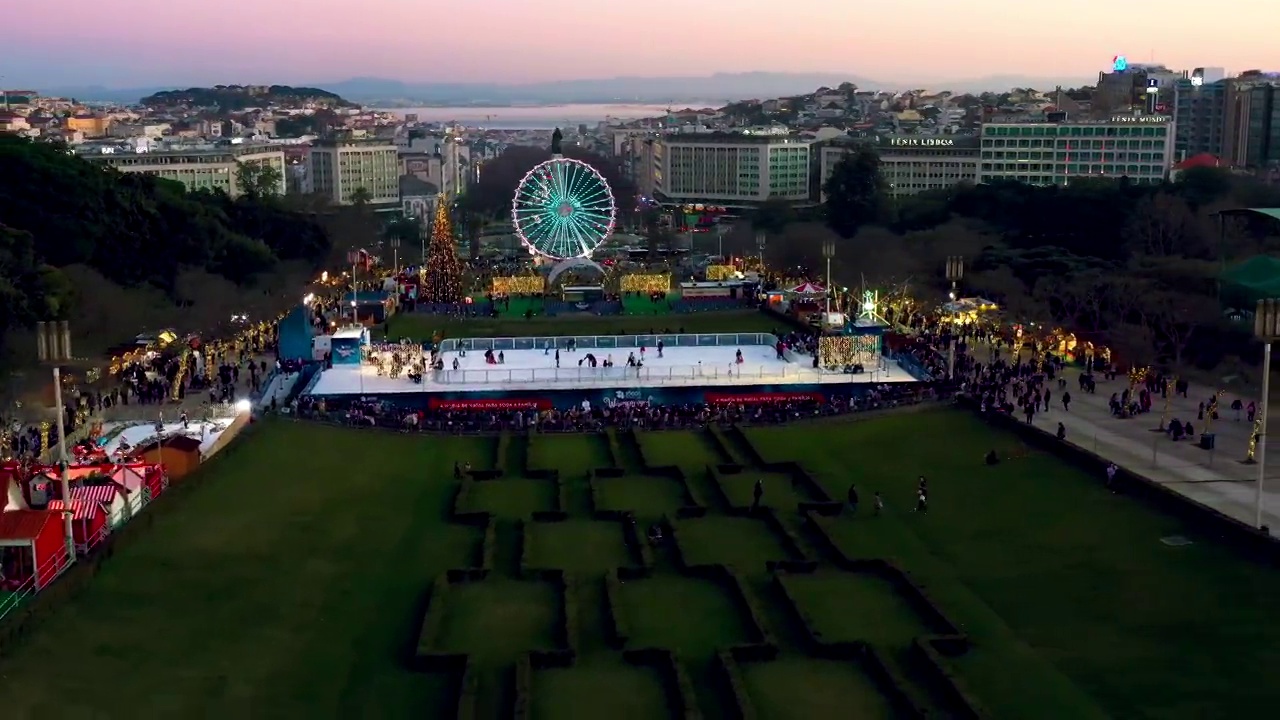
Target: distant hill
{"points": [[720, 87], [230, 98]]}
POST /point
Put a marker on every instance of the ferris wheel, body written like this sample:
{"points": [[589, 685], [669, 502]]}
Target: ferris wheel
{"points": [[563, 208]]}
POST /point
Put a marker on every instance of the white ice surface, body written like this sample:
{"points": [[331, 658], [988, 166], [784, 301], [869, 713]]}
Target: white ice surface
{"points": [[142, 433], [536, 370]]}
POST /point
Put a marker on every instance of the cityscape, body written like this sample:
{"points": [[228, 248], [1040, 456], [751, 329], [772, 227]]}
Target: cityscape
{"points": [[537, 394]]}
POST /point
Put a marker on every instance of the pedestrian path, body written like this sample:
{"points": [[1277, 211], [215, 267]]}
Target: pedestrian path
{"points": [[1218, 478]]}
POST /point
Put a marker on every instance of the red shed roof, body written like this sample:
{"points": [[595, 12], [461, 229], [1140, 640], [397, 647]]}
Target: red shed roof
{"points": [[80, 509], [23, 524], [1201, 160]]}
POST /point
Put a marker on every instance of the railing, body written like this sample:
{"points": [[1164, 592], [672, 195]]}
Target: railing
{"points": [[678, 374], [609, 342]]}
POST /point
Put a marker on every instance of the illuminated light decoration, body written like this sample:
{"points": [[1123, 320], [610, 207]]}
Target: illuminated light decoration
{"points": [[642, 283], [720, 272], [563, 208], [1119, 63], [442, 275], [520, 285]]}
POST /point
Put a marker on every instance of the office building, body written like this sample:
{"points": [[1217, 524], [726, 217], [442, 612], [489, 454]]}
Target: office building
{"points": [[344, 170], [204, 169], [732, 170], [910, 164], [1200, 108], [1252, 121], [1137, 147]]}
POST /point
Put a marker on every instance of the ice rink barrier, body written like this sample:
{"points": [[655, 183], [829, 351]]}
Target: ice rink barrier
{"points": [[608, 342]]}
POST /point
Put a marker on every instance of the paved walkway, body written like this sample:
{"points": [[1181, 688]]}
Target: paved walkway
{"points": [[1217, 478]]}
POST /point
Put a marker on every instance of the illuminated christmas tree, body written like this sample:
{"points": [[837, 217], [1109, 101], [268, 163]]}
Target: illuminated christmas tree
{"points": [[442, 276]]}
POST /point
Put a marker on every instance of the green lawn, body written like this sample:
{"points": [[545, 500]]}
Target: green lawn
{"points": [[292, 582], [419, 326]]}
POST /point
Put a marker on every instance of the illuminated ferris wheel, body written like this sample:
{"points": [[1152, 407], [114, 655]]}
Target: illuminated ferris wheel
{"points": [[563, 208]]}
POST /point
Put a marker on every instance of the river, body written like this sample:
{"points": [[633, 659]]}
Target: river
{"points": [[544, 117]]}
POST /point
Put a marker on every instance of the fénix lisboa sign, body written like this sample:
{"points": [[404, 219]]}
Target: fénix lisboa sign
{"points": [[918, 142]]}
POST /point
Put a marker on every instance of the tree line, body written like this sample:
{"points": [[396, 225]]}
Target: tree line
{"points": [[1137, 267], [59, 211]]}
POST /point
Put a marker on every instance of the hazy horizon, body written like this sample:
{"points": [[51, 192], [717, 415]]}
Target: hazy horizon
{"points": [[133, 43]]}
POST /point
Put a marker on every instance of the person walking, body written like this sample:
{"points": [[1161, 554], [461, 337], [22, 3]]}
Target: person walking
{"points": [[853, 499]]}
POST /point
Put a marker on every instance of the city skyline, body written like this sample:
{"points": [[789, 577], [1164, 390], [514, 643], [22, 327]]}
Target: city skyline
{"points": [[143, 42]]}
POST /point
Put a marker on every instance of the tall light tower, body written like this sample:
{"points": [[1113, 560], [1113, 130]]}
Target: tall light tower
{"points": [[1266, 326], [955, 271], [53, 347], [828, 252]]}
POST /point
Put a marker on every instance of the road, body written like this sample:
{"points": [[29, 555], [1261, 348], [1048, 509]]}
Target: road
{"points": [[1218, 478]]}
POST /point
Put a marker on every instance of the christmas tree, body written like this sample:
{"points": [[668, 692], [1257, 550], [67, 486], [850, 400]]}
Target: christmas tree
{"points": [[442, 276]]}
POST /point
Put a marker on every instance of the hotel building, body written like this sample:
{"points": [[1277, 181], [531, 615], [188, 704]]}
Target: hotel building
{"points": [[211, 169], [910, 164], [341, 167], [1139, 147], [733, 170]]}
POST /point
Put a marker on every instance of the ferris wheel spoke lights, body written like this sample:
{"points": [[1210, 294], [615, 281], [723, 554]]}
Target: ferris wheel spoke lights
{"points": [[563, 208]]}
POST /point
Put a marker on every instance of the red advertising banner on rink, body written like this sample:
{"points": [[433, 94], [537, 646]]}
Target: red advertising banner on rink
{"points": [[759, 398], [489, 404]]}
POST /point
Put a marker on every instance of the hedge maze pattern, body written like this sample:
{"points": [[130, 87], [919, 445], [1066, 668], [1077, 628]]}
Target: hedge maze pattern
{"points": [[565, 542]]}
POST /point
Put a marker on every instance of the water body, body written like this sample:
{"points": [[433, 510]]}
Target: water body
{"points": [[544, 117]]}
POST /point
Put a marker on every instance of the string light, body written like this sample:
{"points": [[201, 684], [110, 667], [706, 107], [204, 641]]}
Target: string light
{"points": [[645, 283], [442, 276], [520, 285], [720, 272]]}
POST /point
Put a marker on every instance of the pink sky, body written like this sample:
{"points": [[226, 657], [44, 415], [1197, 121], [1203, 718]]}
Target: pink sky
{"points": [[152, 42]]}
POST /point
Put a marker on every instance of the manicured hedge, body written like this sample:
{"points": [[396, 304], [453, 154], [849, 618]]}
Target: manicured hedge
{"points": [[727, 666], [619, 626], [682, 700], [489, 546], [947, 638], [614, 444], [695, 506], [468, 692], [433, 620], [637, 543], [523, 708]]}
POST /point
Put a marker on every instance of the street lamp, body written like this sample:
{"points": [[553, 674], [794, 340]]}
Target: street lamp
{"points": [[955, 271], [395, 252], [828, 252], [1266, 326], [53, 346]]}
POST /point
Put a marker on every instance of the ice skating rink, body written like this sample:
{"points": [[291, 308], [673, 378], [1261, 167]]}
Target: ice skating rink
{"points": [[537, 370]]}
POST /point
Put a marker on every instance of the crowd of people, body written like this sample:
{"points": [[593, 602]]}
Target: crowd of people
{"points": [[593, 417]]}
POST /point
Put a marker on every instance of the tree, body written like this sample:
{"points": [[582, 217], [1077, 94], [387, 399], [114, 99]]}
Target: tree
{"points": [[1175, 318], [1163, 225], [442, 276], [855, 193], [361, 197], [773, 215], [258, 180]]}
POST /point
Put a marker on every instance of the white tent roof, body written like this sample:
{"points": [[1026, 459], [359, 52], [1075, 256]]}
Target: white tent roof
{"points": [[13, 497]]}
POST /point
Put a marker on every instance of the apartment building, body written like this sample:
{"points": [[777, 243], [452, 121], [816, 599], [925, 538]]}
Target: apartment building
{"points": [[1139, 147], [910, 164], [1200, 110], [203, 169], [339, 168], [730, 169]]}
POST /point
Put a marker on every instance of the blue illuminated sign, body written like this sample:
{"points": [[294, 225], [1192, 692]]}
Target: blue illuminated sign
{"points": [[1119, 63]]}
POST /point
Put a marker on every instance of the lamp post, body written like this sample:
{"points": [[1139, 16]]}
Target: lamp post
{"points": [[395, 252], [955, 271], [828, 252], [53, 346], [1266, 326]]}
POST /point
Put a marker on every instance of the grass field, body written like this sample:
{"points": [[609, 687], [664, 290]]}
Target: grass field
{"points": [[420, 326], [293, 583]]}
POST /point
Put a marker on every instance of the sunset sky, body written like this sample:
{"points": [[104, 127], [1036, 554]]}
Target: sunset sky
{"points": [[129, 43]]}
